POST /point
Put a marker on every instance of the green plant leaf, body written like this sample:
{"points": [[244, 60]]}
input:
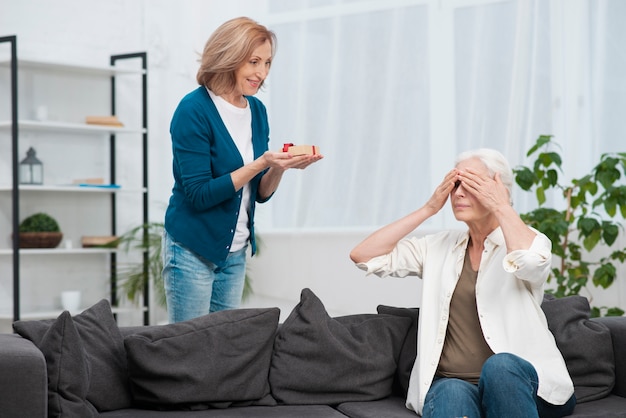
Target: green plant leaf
{"points": [[553, 177], [610, 206], [619, 255], [577, 200], [610, 231], [604, 275], [541, 195], [574, 251], [525, 178], [615, 312], [595, 312], [608, 176], [587, 225], [541, 141], [592, 239], [550, 158]]}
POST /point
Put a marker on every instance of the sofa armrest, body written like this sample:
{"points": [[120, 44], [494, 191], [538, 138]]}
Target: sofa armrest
{"points": [[23, 378], [617, 325]]}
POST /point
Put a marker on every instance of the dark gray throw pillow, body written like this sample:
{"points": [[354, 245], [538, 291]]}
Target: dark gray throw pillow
{"points": [[68, 370], [103, 349], [586, 346], [409, 346], [221, 357], [322, 360]]}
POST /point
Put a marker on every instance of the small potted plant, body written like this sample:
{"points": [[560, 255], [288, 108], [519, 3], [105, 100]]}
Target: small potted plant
{"points": [[39, 231]]}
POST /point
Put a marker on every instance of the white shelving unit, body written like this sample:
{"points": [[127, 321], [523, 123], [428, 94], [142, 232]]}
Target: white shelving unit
{"points": [[15, 128]]}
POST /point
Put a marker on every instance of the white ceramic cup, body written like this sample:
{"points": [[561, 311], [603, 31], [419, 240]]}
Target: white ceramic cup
{"points": [[70, 300], [41, 113]]}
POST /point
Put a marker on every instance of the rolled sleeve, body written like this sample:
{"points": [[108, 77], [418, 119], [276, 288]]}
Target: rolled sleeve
{"points": [[404, 260], [377, 266], [532, 264]]}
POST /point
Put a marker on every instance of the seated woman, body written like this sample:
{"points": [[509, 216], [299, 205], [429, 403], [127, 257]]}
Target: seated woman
{"points": [[484, 348]]}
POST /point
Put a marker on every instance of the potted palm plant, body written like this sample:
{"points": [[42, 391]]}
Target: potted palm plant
{"points": [[133, 277]]}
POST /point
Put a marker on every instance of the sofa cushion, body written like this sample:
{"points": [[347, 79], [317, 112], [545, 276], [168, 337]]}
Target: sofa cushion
{"points": [[586, 346], [322, 360], [220, 357], [409, 346], [391, 407], [68, 370], [103, 348], [612, 406], [281, 411]]}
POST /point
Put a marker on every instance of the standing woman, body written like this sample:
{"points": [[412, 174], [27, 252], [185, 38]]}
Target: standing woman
{"points": [[222, 167], [484, 347]]}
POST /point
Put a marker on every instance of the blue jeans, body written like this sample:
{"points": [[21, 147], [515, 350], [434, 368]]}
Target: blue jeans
{"points": [[194, 286], [507, 388]]}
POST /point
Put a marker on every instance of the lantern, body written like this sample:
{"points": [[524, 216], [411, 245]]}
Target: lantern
{"points": [[31, 169]]}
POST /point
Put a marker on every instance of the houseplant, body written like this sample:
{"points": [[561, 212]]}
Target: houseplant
{"points": [[133, 277], [39, 231], [590, 218]]}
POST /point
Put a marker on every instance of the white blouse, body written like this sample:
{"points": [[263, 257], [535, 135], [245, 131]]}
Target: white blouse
{"points": [[509, 291]]}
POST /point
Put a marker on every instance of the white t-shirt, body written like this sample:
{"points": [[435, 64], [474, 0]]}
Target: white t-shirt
{"points": [[238, 122]]}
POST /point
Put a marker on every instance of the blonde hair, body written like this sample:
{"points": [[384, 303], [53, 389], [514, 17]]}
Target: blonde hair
{"points": [[230, 46], [495, 163]]}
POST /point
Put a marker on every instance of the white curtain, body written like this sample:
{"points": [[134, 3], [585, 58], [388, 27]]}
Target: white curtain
{"points": [[392, 91]]}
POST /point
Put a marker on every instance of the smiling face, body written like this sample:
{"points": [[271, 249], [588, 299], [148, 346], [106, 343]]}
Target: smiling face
{"points": [[465, 206], [250, 75]]}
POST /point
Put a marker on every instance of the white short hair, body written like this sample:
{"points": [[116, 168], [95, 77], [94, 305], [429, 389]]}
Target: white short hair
{"points": [[495, 163]]}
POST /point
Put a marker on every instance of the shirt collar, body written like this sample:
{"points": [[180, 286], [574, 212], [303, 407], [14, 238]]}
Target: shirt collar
{"points": [[495, 238]]}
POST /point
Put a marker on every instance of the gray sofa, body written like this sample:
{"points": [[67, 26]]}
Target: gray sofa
{"points": [[242, 363]]}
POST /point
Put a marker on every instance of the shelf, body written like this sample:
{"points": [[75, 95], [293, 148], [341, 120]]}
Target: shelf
{"points": [[26, 64], [56, 312], [80, 128], [58, 251], [70, 188], [74, 128]]}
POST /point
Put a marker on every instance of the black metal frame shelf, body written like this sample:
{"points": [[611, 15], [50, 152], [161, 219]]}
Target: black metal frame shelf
{"points": [[15, 125]]}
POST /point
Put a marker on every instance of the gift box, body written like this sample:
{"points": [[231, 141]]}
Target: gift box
{"points": [[301, 149]]}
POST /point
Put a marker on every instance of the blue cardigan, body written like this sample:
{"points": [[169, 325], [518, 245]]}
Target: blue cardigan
{"points": [[204, 206]]}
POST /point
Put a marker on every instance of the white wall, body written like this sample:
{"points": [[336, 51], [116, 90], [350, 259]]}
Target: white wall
{"points": [[290, 261]]}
